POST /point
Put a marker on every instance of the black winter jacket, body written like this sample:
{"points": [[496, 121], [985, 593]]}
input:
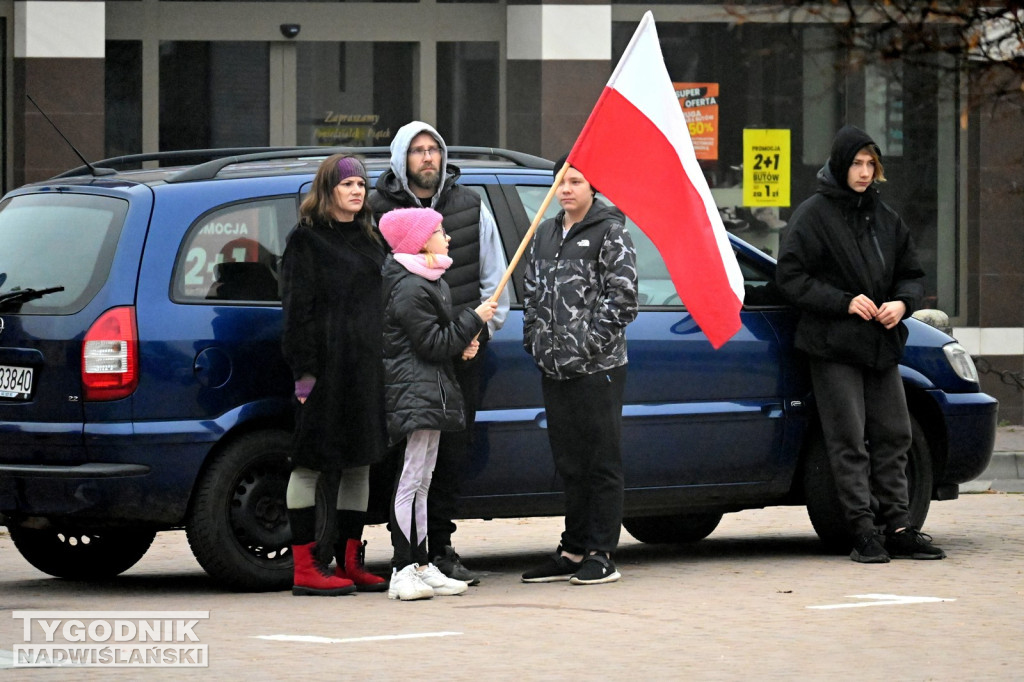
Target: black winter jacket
{"points": [[580, 293], [839, 244], [420, 338], [333, 316]]}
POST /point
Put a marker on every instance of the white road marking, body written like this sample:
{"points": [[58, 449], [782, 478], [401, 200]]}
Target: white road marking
{"points": [[881, 600], [349, 640]]}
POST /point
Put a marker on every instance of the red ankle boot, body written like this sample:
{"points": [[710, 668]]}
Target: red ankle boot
{"points": [[313, 578], [350, 567]]}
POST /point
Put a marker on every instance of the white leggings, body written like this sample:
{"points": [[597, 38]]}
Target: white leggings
{"points": [[409, 511], [353, 491]]}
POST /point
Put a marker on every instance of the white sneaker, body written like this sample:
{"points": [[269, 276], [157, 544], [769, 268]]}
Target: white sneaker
{"points": [[442, 585], [408, 585]]}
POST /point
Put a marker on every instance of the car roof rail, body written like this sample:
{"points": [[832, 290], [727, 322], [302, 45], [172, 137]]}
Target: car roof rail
{"points": [[136, 160], [210, 169], [218, 159], [519, 158]]}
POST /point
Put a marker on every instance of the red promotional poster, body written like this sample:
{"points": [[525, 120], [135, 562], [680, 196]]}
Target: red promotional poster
{"points": [[699, 102]]}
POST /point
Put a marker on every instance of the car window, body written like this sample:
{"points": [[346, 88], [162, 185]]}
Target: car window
{"points": [[233, 253], [57, 240], [532, 197], [758, 283], [482, 191], [655, 287]]}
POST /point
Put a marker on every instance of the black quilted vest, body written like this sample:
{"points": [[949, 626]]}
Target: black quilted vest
{"points": [[460, 207]]}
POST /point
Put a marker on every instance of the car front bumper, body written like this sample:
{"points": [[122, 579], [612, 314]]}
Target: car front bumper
{"points": [[970, 433]]}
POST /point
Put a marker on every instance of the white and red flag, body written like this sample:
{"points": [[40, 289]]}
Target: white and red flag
{"points": [[636, 149]]}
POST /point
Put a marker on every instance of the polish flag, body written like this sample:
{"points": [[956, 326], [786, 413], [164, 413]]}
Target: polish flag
{"points": [[635, 149]]}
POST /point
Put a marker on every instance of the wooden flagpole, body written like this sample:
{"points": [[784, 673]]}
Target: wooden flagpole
{"points": [[529, 233]]}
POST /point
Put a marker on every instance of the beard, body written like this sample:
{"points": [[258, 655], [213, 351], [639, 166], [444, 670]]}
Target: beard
{"points": [[426, 179]]}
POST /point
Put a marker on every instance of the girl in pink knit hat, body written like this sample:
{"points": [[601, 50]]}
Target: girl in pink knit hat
{"points": [[422, 397]]}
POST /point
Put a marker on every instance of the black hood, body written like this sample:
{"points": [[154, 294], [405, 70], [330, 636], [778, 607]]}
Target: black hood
{"points": [[847, 142]]}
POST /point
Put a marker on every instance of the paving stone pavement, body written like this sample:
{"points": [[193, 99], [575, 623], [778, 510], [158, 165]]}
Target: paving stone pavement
{"points": [[737, 606]]}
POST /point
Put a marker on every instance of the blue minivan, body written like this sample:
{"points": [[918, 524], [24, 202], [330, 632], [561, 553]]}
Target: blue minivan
{"points": [[142, 386]]}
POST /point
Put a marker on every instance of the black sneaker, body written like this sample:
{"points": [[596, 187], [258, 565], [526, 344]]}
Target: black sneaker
{"points": [[868, 550], [911, 543], [595, 569], [450, 564], [556, 568]]}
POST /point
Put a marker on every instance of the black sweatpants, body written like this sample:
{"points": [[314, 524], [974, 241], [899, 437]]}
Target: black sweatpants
{"points": [[453, 455], [585, 431], [859, 404]]}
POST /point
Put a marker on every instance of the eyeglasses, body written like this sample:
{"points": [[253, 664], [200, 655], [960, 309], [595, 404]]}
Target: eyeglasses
{"points": [[425, 151], [441, 230]]}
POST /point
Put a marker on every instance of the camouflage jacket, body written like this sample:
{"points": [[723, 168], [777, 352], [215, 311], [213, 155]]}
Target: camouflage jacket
{"points": [[580, 293]]}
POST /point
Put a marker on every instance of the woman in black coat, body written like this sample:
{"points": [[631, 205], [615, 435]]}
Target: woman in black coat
{"points": [[333, 316], [848, 262]]}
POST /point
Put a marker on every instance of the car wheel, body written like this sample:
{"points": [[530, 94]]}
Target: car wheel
{"points": [[823, 500], [238, 523], [76, 555], [675, 528]]}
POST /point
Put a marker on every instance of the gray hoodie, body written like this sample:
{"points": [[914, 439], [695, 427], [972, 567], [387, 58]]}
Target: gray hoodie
{"points": [[492, 253], [400, 150]]}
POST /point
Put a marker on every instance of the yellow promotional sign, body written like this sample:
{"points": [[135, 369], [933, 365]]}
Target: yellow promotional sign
{"points": [[766, 167]]}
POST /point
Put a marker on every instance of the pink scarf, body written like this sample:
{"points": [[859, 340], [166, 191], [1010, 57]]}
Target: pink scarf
{"points": [[416, 263]]}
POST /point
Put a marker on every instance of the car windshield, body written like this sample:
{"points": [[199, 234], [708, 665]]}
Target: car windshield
{"points": [[57, 240]]}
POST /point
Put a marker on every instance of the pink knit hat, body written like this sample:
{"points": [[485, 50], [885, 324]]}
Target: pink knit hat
{"points": [[408, 229]]}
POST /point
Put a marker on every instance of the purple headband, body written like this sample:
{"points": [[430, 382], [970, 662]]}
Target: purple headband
{"points": [[349, 167]]}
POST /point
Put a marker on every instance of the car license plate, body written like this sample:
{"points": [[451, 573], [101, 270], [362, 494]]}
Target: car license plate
{"points": [[15, 382]]}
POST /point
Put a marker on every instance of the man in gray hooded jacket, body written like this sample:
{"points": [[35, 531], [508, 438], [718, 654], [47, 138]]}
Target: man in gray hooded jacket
{"points": [[420, 176]]}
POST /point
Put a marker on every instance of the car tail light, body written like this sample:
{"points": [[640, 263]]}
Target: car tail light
{"points": [[110, 356]]}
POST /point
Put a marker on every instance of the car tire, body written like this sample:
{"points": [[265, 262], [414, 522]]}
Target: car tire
{"points": [[238, 524], [75, 555], [822, 498], [672, 529]]}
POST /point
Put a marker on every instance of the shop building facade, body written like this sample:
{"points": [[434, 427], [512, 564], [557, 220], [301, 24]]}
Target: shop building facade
{"points": [[131, 76]]}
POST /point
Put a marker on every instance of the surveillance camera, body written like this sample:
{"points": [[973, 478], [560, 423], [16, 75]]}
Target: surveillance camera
{"points": [[290, 30]]}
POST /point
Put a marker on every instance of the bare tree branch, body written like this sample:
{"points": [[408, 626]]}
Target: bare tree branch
{"points": [[985, 39]]}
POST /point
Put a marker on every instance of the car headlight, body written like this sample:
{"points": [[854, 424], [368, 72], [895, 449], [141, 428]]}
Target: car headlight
{"points": [[961, 361]]}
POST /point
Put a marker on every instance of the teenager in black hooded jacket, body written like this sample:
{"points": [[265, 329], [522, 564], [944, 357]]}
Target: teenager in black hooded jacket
{"points": [[848, 262]]}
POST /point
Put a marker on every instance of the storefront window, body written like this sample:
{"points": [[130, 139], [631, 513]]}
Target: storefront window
{"points": [[354, 93], [467, 93], [791, 84], [213, 94], [731, 78], [123, 93], [319, 0]]}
